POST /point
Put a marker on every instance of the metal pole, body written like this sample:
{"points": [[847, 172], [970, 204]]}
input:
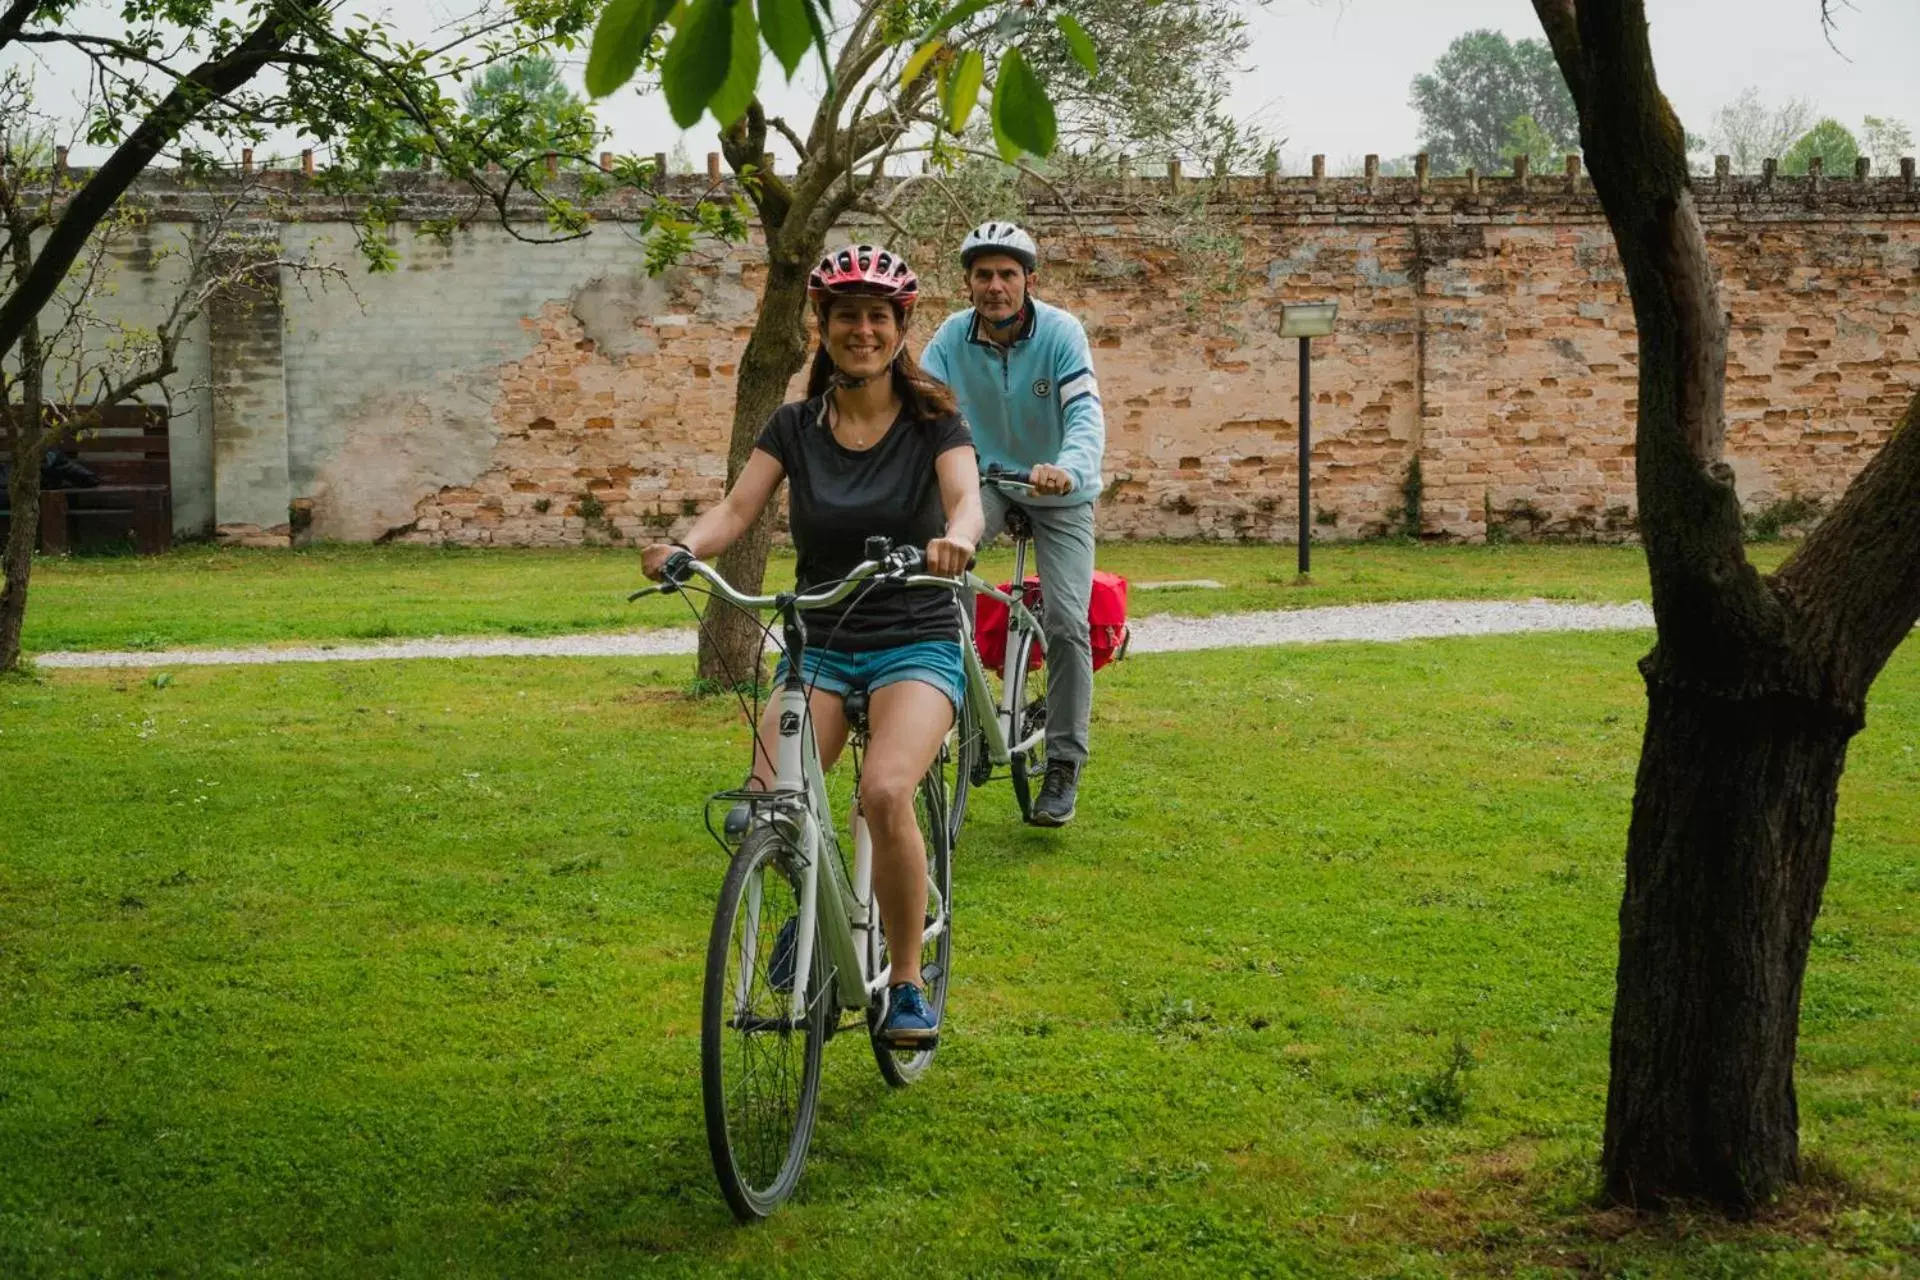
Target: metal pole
{"points": [[1306, 453]]}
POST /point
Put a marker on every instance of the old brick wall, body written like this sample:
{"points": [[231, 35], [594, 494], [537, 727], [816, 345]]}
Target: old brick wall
{"points": [[493, 391]]}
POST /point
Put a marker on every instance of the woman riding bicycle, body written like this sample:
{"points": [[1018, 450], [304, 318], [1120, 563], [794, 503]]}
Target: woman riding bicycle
{"points": [[876, 449]]}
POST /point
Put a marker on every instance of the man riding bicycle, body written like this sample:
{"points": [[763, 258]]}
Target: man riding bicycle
{"points": [[1023, 374], [876, 449]]}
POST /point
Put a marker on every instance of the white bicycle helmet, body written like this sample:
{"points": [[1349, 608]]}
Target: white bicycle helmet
{"points": [[999, 237]]}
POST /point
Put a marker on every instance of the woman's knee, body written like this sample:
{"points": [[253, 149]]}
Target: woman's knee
{"points": [[886, 793]]}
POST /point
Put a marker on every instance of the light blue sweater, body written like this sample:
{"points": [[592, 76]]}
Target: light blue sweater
{"points": [[1033, 402]]}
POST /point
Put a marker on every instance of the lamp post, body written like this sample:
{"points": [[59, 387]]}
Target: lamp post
{"points": [[1306, 321]]}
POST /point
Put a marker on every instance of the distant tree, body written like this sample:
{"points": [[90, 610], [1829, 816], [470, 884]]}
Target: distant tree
{"points": [[527, 96], [1886, 141], [1480, 86], [1830, 140], [1525, 137], [1135, 97], [1749, 131]]}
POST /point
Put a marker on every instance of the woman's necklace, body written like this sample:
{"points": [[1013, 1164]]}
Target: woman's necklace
{"points": [[852, 437]]}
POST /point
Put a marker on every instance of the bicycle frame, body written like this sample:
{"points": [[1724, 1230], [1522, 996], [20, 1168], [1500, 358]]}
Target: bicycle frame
{"points": [[1001, 719]]}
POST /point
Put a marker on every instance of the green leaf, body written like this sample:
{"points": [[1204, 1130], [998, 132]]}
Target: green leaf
{"points": [[784, 24], [1080, 42], [816, 23], [918, 62], [1023, 118], [626, 28], [743, 74], [958, 14], [963, 89], [697, 61]]}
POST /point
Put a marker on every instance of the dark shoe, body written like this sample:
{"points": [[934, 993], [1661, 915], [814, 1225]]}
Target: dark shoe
{"points": [[780, 963], [909, 1024], [1054, 808]]}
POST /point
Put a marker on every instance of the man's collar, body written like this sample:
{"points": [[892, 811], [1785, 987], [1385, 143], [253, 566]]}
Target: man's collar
{"points": [[1029, 320]]}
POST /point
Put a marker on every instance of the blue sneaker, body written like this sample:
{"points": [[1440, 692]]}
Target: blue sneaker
{"points": [[785, 955], [909, 1024]]}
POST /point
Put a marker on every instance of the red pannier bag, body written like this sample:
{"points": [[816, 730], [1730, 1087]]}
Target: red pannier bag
{"points": [[1106, 620], [1107, 617]]}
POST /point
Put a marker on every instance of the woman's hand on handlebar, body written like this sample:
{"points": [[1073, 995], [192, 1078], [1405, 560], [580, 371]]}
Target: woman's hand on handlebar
{"points": [[654, 558], [1051, 480], [948, 557]]}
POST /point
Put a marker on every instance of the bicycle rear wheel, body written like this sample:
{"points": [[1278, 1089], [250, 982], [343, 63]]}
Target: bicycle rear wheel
{"points": [[932, 805], [1028, 767], [759, 1067]]}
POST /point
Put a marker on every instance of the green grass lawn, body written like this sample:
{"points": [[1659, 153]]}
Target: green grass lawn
{"points": [[394, 969], [204, 595]]}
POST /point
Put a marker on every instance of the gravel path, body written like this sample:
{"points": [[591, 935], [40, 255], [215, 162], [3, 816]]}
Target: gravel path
{"points": [[1158, 634]]}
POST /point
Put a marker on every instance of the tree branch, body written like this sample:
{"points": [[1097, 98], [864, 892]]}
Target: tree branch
{"points": [[1856, 579], [14, 20], [866, 205], [745, 146], [1558, 20], [798, 143], [101, 47], [212, 80], [1019, 164]]}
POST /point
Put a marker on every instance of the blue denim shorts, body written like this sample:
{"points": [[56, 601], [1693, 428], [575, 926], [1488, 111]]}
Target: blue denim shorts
{"points": [[935, 662]]}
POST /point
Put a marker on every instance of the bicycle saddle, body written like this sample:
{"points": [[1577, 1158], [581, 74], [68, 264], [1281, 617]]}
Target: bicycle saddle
{"points": [[855, 707], [1018, 524]]}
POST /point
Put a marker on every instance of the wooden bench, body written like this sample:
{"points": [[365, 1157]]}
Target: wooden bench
{"points": [[134, 500]]}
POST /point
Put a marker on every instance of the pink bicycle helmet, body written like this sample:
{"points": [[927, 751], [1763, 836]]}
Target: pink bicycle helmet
{"points": [[866, 270]]}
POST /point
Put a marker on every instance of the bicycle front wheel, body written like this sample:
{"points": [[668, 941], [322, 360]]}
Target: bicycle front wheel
{"points": [[956, 766], [759, 1065], [932, 806], [1028, 766]]}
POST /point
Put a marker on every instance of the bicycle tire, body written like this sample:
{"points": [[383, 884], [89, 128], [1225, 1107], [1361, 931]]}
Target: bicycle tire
{"points": [[1030, 696], [759, 1074], [901, 1067], [960, 764]]}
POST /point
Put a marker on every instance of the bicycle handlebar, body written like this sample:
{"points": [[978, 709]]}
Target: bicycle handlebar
{"points": [[895, 562], [999, 475]]}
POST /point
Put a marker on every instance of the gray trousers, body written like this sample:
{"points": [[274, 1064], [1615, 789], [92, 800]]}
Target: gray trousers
{"points": [[1063, 552]]}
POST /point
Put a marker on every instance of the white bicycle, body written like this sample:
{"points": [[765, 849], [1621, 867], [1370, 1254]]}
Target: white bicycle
{"points": [[796, 939]]}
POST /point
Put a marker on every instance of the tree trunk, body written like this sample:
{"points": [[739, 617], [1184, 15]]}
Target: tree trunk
{"points": [[730, 640], [23, 496], [27, 440], [1754, 689], [1726, 861]]}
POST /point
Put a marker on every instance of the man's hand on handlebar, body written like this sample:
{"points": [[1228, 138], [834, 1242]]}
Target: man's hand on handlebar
{"points": [[948, 557], [1051, 480]]}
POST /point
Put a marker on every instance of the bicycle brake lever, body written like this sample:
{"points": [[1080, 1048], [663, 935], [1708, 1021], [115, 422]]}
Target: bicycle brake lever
{"points": [[660, 589]]}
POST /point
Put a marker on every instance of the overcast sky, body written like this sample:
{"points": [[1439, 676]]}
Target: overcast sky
{"points": [[1332, 77]]}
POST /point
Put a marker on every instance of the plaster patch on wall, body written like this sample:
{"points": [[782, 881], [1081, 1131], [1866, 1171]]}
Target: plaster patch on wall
{"points": [[1753, 482], [612, 308], [400, 447]]}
